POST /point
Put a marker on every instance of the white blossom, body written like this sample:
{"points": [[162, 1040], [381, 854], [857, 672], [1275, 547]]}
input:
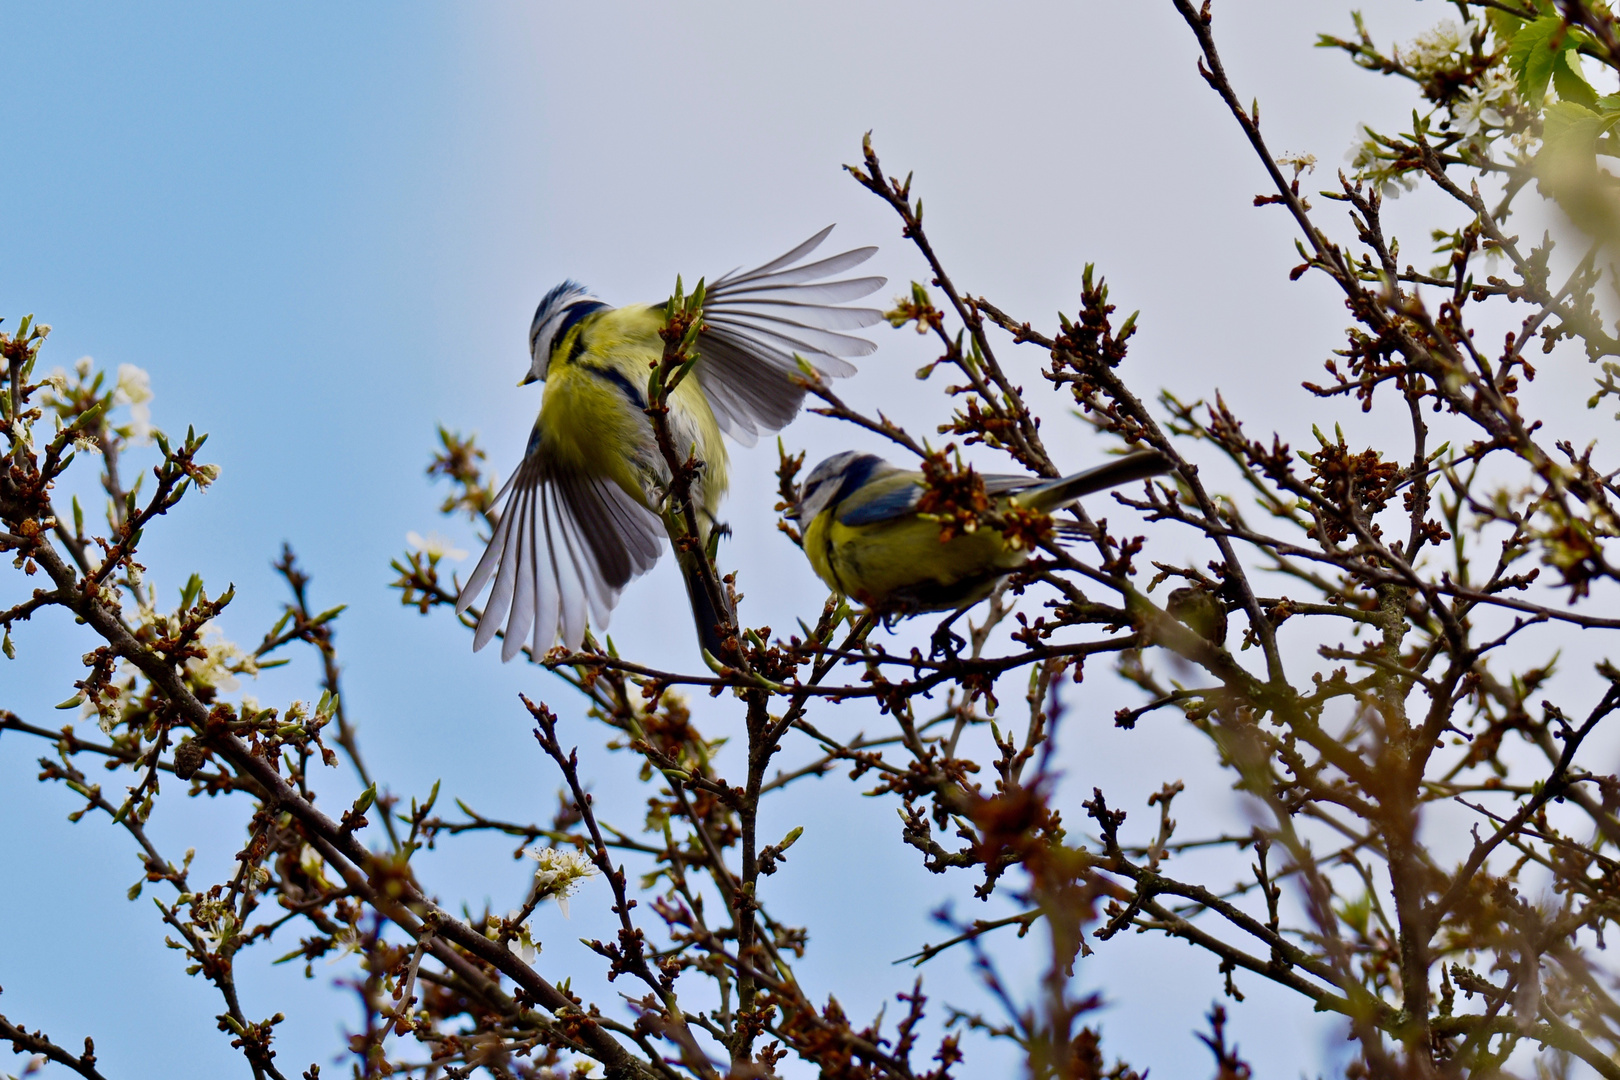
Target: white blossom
{"points": [[434, 546], [1473, 112], [1300, 163], [135, 390], [1437, 49], [1498, 87], [85, 443], [1370, 160], [108, 706], [215, 921], [82, 366], [1484, 114], [559, 874], [134, 385], [1523, 141], [223, 662], [347, 941], [522, 944]]}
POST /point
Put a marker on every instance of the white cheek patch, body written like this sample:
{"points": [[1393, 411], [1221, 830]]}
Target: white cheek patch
{"points": [[817, 501], [540, 348]]}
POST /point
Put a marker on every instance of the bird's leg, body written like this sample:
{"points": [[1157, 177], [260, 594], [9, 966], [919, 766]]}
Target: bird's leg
{"points": [[947, 642]]}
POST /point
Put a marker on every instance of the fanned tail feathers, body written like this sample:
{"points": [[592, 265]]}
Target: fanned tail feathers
{"points": [[705, 616], [563, 547]]}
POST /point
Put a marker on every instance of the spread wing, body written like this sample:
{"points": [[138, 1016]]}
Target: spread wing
{"points": [[564, 545], [757, 319]]}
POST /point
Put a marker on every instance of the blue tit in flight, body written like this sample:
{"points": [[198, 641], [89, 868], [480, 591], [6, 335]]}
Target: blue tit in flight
{"points": [[579, 519], [866, 539]]}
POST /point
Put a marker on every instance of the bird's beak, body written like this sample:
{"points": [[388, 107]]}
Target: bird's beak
{"points": [[526, 380], [792, 513]]}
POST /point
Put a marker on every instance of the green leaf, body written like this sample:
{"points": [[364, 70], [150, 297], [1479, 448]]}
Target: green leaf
{"points": [[92, 414], [327, 616], [1532, 55], [1570, 128], [1503, 25], [281, 624], [189, 594], [1569, 82], [1567, 171], [296, 954], [1356, 913]]}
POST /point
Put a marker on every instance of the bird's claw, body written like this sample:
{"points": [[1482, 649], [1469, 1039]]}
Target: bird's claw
{"points": [[946, 642]]}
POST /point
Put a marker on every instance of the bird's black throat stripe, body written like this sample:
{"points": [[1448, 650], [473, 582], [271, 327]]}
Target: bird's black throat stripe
{"points": [[829, 555], [577, 350], [617, 378]]}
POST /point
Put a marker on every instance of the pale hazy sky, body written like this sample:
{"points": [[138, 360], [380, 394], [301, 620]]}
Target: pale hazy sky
{"points": [[323, 228]]}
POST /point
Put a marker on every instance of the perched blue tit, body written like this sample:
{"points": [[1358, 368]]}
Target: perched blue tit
{"points": [[865, 538], [579, 518]]}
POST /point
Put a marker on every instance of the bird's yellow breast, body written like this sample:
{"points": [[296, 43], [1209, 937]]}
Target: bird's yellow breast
{"points": [[593, 414], [903, 563]]}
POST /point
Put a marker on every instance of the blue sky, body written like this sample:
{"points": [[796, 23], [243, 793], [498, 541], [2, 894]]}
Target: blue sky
{"points": [[322, 229]]}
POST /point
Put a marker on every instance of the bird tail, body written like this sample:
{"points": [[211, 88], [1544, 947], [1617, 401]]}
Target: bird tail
{"points": [[1122, 470], [705, 614]]}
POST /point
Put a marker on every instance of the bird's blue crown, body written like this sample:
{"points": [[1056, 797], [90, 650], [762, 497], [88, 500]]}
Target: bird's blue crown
{"points": [[559, 310]]}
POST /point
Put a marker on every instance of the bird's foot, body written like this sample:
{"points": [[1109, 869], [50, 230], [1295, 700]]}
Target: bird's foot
{"points": [[946, 642]]}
